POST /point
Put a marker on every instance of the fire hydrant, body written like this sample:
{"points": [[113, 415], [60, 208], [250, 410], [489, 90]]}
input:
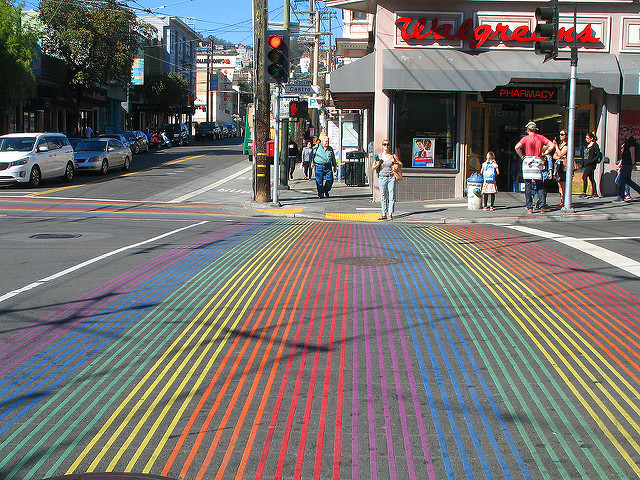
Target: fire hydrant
{"points": [[474, 192]]}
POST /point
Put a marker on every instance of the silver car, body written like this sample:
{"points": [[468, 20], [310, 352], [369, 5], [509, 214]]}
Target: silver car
{"points": [[31, 157], [101, 154]]}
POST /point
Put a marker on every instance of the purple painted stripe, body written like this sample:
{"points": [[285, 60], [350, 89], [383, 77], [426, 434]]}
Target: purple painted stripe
{"points": [[373, 448], [147, 269], [391, 455], [412, 383], [355, 446]]}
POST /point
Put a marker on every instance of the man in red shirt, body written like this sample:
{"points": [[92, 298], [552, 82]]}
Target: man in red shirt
{"points": [[532, 165]]}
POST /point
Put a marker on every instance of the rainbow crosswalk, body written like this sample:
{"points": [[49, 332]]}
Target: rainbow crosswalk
{"points": [[294, 349]]}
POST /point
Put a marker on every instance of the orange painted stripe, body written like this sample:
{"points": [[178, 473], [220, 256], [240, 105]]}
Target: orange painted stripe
{"points": [[573, 302], [245, 374], [195, 414], [274, 368]]}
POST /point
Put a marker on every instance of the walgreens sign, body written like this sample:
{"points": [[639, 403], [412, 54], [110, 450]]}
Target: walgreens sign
{"points": [[422, 30]]}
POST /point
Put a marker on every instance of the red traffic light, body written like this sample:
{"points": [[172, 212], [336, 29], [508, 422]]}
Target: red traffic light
{"points": [[293, 108], [274, 41]]}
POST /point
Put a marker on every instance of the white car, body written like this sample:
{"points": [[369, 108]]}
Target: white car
{"points": [[101, 154], [32, 157]]}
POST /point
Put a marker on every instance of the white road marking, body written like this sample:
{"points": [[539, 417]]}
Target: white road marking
{"points": [[211, 186], [55, 276], [612, 258]]}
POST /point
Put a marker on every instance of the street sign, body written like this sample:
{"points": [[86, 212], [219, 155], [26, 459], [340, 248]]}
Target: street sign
{"points": [[302, 89], [314, 102]]}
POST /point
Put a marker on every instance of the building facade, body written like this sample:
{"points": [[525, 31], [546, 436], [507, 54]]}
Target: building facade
{"points": [[462, 78], [216, 98]]}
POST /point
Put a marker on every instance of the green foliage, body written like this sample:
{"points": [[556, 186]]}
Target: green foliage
{"points": [[97, 40], [165, 92], [17, 50]]}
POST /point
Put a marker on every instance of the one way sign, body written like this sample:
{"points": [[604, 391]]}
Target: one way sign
{"points": [[301, 89]]}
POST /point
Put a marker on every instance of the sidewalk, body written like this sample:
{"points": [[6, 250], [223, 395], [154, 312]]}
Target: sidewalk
{"points": [[355, 204]]}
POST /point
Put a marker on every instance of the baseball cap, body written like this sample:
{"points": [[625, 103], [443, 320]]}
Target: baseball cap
{"points": [[531, 126]]}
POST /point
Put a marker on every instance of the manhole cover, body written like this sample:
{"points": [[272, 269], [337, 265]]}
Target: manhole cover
{"points": [[367, 261], [55, 236], [110, 476]]}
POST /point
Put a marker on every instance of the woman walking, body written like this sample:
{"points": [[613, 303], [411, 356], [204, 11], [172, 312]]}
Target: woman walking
{"points": [[385, 164], [560, 161], [591, 157]]}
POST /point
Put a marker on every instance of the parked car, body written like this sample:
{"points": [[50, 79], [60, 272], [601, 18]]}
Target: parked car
{"points": [[232, 130], [120, 137], [208, 130], [178, 133], [74, 141], [101, 154], [137, 141], [31, 157]]}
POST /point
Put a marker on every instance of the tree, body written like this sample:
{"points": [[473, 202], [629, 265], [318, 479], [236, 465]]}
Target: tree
{"points": [[165, 93], [97, 40], [18, 44]]}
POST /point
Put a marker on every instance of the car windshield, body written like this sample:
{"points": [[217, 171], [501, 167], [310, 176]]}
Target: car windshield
{"points": [[91, 146], [129, 135], [17, 144]]}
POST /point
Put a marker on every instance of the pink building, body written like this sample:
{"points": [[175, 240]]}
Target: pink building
{"points": [[463, 78]]}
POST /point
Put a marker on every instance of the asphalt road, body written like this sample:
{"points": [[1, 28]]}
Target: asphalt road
{"points": [[188, 341]]}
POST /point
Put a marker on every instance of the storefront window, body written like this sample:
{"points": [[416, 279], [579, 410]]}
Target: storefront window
{"points": [[426, 129]]}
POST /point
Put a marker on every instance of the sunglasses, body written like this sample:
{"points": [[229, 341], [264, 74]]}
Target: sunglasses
{"points": [[562, 133], [385, 144], [626, 130]]}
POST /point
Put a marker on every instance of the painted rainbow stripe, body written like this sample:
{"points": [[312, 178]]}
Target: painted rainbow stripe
{"points": [[256, 351]]}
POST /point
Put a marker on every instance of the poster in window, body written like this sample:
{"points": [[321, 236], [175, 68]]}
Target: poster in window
{"points": [[423, 152]]}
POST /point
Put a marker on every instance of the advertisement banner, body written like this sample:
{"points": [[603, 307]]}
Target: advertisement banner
{"points": [[137, 71], [423, 152]]}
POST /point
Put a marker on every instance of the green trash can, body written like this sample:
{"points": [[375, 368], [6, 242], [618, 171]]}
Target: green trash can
{"points": [[354, 168]]}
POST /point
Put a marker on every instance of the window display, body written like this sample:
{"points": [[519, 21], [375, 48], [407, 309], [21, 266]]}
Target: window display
{"points": [[426, 129]]}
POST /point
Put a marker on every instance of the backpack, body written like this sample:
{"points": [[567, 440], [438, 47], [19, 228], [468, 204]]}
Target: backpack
{"points": [[489, 173]]}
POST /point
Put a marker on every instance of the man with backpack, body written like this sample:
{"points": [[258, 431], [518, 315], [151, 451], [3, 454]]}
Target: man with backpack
{"points": [[533, 165]]}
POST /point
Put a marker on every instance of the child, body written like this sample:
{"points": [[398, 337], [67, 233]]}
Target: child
{"points": [[489, 186]]}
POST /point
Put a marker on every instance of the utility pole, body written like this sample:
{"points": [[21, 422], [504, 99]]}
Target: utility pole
{"points": [[261, 167], [283, 174], [315, 64]]}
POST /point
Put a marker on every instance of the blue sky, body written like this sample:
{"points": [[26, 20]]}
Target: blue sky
{"points": [[230, 20]]}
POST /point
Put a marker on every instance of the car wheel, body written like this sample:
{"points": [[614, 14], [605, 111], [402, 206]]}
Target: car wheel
{"points": [[136, 149], [180, 142], [68, 173], [35, 177], [126, 164], [104, 168]]}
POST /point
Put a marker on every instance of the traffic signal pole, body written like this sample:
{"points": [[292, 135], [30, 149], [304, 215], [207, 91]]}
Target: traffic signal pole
{"points": [[276, 145], [571, 128]]}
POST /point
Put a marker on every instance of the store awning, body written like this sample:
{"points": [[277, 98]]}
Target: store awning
{"points": [[352, 86], [630, 66], [453, 70]]}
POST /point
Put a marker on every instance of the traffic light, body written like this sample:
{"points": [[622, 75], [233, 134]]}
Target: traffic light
{"points": [[276, 64], [547, 30], [299, 109]]}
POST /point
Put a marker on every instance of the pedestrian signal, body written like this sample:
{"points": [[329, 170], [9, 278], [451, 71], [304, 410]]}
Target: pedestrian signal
{"points": [[299, 109]]}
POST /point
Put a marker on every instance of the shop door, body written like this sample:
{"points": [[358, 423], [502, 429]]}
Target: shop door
{"points": [[477, 136]]}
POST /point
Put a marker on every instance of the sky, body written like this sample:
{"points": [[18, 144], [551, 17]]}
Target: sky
{"points": [[230, 20]]}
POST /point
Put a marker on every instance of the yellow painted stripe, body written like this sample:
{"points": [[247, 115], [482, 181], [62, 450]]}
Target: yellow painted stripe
{"points": [[245, 300], [127, 174], [179, 346], [534, 307], [279, 211], [361, 217]]}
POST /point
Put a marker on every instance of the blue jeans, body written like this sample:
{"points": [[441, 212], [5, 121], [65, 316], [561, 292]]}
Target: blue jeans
{"points": [[624, 178], [530, 190], [324, 178], [387, 194]]}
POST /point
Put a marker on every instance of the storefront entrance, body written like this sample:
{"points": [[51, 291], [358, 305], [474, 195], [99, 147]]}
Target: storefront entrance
{"points": [[498, 127]]}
